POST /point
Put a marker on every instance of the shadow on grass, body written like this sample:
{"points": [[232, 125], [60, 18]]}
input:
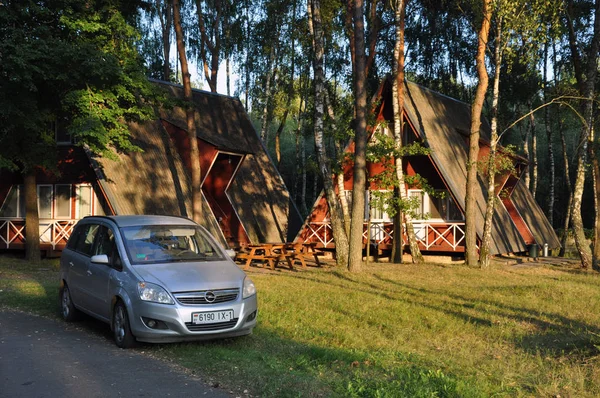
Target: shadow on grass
{"points": [[271, 365], [555, 336], [552, 334]]}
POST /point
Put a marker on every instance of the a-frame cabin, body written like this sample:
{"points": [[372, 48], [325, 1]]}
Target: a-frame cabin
{"points": [[245, 198], [442, 124]]}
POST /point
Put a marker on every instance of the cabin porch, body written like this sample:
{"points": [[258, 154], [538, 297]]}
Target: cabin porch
{"points": [[431, 236], [54, 233]]}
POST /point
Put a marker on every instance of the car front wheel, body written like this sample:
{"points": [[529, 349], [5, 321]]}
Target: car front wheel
{"points": [[121, 330]]}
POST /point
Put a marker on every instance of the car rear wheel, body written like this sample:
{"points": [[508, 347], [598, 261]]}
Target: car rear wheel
{"points": [[67, 309], [121, 330]]}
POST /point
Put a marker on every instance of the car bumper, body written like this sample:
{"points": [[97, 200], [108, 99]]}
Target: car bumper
{"points": [[175, 321]]}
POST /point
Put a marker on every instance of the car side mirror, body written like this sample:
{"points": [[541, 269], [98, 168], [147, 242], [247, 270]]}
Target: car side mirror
{"points": [[231, 253], [100, 259]]}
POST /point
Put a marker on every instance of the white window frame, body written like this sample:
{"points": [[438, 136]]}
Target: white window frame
{"points": [[54, 215], [20, 191], [78, 196], [386, 217], [427, 208], [51, 201], [56, 136], [367, 209], [94, 201]]}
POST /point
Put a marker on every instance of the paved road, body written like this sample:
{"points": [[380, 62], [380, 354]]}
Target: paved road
{"points": [[41, 357]]}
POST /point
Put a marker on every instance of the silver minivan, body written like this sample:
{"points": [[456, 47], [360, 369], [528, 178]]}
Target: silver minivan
{"points": [[155, 279]]}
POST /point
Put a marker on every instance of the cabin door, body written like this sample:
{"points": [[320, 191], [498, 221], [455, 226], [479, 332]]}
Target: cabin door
{"points": [[215, 187]]}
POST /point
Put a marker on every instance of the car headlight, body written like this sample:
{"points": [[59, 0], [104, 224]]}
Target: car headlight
{"points": [[151, 292], [249, 288]]}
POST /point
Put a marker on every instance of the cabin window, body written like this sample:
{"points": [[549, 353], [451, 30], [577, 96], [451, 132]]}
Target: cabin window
{"points": [[45, 198], [14, 203], [435, 208], [54, 202], [84, 201], [61, 135], [87, 202], [375, 213], [62, 204]]}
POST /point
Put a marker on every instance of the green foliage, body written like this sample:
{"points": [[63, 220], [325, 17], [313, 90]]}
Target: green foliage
{"points": [[502, 162], [71, 63], [383, 150], [410, 382]]}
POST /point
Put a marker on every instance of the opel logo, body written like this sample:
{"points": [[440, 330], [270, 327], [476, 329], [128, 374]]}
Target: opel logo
{"points": [[210, 297]]}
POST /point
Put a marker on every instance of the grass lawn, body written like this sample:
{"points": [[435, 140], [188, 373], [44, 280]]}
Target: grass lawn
{"points": [[392, 331]]}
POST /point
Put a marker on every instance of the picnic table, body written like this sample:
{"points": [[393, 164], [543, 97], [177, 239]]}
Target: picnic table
{"points": [[273, 253]]}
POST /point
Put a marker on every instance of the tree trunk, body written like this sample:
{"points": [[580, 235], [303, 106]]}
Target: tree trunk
{"points": [[550, 144], [398, 106], [264, 135], [279, 131], [336, 217], [32, 218], [190, 116], [228, 75], [360, 140], [350, 33], [210, 71], [567, 221], [398, 241], [588, 116], [303, 205], [299, 161], [527, 154], [166, 22], [339, 177], [486, 239], [470, 200], [247, 58], [533, 152], [596, 188]]}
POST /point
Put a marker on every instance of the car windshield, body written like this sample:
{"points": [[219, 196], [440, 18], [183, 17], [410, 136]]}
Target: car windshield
{"points": [[164, 244]]}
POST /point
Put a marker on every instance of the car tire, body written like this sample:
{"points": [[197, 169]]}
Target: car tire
{"points": [[67, 308], [121, 329]]}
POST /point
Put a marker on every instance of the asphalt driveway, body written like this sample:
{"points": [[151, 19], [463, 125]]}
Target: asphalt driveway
{"points": [[41, 357]]}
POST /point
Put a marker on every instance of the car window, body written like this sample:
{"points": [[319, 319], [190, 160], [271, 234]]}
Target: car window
{"points": [[105, 244], [160, 243], [72, 243], [85, 242]]}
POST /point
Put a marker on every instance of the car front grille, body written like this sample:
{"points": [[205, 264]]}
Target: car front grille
{"points": [[207, 297], [211, 326]]}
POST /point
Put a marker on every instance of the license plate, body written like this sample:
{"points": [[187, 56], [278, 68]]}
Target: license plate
{"points": [[212, 317]]}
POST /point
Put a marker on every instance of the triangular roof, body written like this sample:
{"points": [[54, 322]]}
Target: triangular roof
{"points": [[150, 182], [144, 182], [443, 123]]}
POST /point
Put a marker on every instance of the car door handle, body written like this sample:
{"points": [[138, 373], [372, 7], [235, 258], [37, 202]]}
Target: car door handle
{"points": [[71, 263], [89, 272]]}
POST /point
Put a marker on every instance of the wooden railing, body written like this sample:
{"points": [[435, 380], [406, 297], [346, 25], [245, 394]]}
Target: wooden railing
{"points": [[53, 233], [431, 236], [440, 235]]}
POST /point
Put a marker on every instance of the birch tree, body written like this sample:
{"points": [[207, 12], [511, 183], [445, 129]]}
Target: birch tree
{"points": [[398, 106], [471, 256], [484, 256], [190, 117], [337, 221], [587, 86]]}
